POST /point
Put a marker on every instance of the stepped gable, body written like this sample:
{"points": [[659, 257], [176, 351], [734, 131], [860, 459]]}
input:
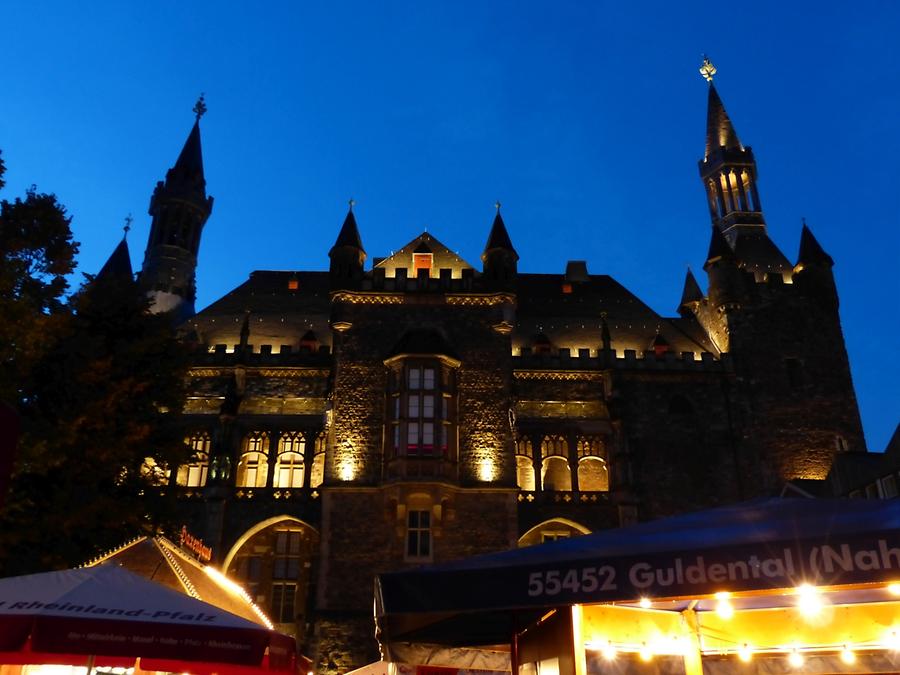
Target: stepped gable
{"points": [[280, 314], [442, 257], [572, 320]]}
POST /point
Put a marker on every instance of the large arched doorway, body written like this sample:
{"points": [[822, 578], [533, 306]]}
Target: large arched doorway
{"points": [[274, 561]]}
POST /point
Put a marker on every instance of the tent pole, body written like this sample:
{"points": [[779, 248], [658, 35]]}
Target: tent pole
{"points": [[90, 664]]}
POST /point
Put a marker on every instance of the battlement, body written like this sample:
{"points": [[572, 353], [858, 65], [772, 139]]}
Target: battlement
{"points": [[424, 281], [264, 355], [565, 360]]}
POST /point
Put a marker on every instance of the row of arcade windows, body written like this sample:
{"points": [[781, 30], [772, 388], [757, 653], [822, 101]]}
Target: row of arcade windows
{"points": [[591, 470], [253, 463], [421, 410]]}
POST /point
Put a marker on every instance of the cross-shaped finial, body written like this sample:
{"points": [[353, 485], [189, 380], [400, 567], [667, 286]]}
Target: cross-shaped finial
{"points": [[497, 205], [200, 106], [352, 203], [128, 221], [707, 70]]}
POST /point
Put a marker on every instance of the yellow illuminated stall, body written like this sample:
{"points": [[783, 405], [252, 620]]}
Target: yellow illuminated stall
{"points": [[774, 586]]}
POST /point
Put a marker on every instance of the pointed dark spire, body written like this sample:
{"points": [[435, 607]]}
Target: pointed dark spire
{"points": [[811, 252], [499, 237], [349, 234], [718, 247], [720, 132], [691, 292], [190, 160], [118, 265]]}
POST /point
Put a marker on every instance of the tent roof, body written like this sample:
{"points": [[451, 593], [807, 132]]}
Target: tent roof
{"points": [[759, 545]]}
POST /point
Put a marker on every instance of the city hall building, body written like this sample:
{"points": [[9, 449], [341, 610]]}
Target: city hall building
{"points": [[392, 411]]}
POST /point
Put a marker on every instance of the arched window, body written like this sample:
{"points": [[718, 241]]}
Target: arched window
{"points": [[555, 473], [253, 466], [289, 462], [317, 471], [524, 464], [194, 473], [593, 476]]}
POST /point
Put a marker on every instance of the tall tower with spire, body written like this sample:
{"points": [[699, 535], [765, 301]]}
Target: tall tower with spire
{"points": [[179, 208], [778, 322]]}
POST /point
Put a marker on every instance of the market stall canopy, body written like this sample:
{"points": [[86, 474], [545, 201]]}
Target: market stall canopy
{"points": [[161, 560], [754, 546], [108, 612]]}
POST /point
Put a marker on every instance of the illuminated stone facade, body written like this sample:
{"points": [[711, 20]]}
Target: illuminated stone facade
{"points": [[417, 409]]}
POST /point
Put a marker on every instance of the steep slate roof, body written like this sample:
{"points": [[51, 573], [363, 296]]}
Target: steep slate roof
{"points": [[573, 319], [349, 234], [279, 314], [811, 252], [720, 132], [190, 160], [758, 253], [118, 265], [718, 246], [499, 237], [691, 292]]}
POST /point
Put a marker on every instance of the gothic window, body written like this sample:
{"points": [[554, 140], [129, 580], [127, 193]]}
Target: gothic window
{"points": [[593, 472], [289, 462], [317, 472], [194, 473], [421, 410], [253, 466], [524, 464], [555, 473], [418, 535]]}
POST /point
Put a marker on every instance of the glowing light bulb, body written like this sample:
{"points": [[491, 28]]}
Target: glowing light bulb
{"points": [[609, 652], [724, 608], [796, 659], [809, 602], [646, 654], [646, 603], [892, 640], [894, 589], [847, 655], [745, 653]]}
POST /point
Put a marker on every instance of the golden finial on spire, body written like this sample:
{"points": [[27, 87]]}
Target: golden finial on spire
{"points": [[352, 203], [707, 70], [200, 106], [497, 205]]}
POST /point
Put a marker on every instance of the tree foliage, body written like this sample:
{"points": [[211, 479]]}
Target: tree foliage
{"points": [[98, 394]]}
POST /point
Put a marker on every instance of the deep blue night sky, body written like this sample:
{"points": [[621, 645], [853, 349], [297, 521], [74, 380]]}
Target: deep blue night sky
{"points": [[586, 119]]}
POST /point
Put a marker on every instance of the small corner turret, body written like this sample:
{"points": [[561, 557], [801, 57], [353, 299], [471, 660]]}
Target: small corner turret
{"points": [[347, 255], [499, 258], [179, 208], [813, 271]]}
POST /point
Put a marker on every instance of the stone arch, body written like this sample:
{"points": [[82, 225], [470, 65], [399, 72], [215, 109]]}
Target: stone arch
{"points": [[556, 528], [274, 561], [259, 527]]}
